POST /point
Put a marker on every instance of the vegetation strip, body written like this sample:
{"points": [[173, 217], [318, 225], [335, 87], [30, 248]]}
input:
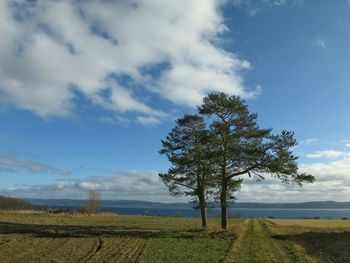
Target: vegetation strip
{"points": [[257, 245], [106, 238], [236, 246]]}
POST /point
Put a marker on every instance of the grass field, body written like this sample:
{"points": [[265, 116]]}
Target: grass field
{"points": [[110, 238], [26, 237], [321, 240]]}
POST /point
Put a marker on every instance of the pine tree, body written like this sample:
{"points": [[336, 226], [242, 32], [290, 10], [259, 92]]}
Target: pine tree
{"points": [[242, 148], [187, 148]]}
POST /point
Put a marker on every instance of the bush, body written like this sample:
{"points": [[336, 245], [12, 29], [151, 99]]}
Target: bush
{"points": [[92, 203], [10, 203]]}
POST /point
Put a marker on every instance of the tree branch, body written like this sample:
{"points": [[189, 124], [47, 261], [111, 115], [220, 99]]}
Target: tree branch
{"points": [[185, 185], [244, 171]]}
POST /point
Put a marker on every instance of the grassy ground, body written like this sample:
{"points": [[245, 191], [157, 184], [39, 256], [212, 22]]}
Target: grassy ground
{"points": [[297, 241], [26, 237], [315, 223], [317, 240], [111, 238], [256, 245]]}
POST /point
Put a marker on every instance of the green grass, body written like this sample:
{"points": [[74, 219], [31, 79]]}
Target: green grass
{"points": [[28, 237], [257, 245], [299, 241], [110, 238], [189, 250]]}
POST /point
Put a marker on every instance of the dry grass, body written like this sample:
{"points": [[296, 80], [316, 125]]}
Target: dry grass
{"points": [[29, 237], [316, 223], [110, 238], [318, 240]]}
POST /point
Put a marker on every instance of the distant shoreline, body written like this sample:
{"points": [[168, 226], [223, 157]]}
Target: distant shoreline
{"points": [[238, 205], [254, 210]]}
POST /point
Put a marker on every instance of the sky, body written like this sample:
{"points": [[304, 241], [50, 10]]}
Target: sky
{"points": [[89, 88]]}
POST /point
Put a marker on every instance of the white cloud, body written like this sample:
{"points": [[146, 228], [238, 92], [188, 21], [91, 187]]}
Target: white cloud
{"points": [[114, 120], [320, 42], [329, 154], [113, 52], [132, 185], [326, 190], [147, 120], [12, 164], [308, 141], [252, 7], [332, 183]]}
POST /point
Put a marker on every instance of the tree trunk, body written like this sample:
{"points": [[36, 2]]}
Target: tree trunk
{"points": [[223, 201], [203, 208], [224, 216]]}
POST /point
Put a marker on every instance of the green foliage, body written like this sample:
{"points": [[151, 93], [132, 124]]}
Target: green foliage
{"points": [[241, 147], [213, 157], [187, 148], [10, 203]]}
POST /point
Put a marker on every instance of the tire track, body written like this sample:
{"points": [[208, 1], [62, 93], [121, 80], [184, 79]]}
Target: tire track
{"points": [[257, 246], [97, 249], [140, 252], [282, 253], [131, 248], [239, 235]]}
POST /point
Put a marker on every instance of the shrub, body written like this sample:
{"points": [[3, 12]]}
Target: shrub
{"points": [[10, 203]]}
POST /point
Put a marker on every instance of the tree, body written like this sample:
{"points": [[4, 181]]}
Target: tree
{"points": [[11, 203], [242, 148], [92, 203], [186, 147]]}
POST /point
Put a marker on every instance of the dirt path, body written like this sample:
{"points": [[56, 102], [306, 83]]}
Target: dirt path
{"points": [[257, 246], [95, 250]]}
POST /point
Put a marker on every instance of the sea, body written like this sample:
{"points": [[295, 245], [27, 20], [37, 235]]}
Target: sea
{"points": [[233, 212]]}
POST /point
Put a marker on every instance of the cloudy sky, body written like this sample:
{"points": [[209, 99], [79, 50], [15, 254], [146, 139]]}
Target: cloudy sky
{"points": [[89, 88]]}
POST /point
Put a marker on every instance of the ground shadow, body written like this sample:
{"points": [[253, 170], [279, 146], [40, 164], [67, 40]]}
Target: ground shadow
{"points": [[327, 246], [76, 231]]}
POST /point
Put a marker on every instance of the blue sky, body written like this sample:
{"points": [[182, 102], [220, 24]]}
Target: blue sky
{"points": [[89, 88]]}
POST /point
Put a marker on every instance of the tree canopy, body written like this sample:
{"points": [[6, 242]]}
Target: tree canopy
{"points": [[187, 148], [226, 147]]}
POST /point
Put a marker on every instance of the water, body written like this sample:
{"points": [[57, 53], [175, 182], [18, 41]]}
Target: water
{"points": [[233, 212]]}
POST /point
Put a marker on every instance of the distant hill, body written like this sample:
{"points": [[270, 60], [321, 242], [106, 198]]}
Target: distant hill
{"points": [[10, 203], [304, 205], [145, 204]]}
